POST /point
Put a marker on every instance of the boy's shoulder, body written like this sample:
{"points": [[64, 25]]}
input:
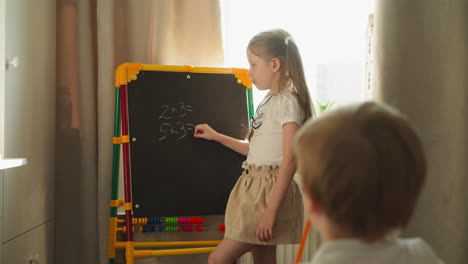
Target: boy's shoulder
{"points": [[398, 250], [419, 249]]}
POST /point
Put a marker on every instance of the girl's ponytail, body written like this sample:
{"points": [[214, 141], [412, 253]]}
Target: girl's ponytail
{"points": [[295, 71]]}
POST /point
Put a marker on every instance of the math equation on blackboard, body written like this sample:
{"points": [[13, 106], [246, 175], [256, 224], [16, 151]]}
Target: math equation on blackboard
{"points": [[172, 119]]}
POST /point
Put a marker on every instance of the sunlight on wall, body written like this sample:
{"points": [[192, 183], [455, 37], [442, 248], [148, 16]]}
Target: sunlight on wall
{"points": [[330, 35]]}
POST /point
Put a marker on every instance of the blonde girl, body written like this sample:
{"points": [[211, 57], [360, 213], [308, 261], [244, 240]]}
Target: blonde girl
{"points": [[265, 207]]}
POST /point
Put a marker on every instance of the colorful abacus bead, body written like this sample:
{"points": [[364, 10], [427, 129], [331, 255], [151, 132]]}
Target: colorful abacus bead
{"points": [[188, 228], [170, 228], [124, 229], [184, 220], [148, 228], [171, 220]]}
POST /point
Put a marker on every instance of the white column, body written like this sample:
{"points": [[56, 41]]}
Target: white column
{"points": [[422, 68]]}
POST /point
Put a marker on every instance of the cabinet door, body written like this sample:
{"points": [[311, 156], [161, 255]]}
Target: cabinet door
{"points": [[35, 246], [1, 200], [29, 114], [2, 76], [1, 236]]}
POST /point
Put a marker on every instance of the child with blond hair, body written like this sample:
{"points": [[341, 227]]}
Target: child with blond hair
{"points": [[265, 207], [363, 168]]}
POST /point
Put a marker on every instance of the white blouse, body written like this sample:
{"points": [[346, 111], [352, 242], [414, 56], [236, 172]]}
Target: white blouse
{"points": [[266, 145]]}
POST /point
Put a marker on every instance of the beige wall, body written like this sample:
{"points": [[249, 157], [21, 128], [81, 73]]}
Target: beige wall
{"points": [[422, 68]]}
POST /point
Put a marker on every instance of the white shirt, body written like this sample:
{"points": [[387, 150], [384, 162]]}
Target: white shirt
{"points": [[394, 251], [266, 145]]}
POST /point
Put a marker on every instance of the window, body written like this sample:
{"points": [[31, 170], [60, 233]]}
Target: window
{"points": [[331, 36]]}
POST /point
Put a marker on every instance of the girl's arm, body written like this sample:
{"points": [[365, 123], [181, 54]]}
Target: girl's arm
{"points": [[206, 132], [283, 181]]}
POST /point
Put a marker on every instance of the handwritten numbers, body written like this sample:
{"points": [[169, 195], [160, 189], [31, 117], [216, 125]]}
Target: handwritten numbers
{"points": [[185, 109], [180, 126], [163, 115], [175, 111], [163, 130], [174, 125]]}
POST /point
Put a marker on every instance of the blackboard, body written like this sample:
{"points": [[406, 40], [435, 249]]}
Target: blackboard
{"points": [[173, 173]]}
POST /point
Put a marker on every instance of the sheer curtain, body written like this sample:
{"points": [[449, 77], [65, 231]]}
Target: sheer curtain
{"points": [[186, 33], [93, 38], [76, 141]]}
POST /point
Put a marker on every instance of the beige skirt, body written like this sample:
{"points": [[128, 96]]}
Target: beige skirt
{"points": [[248, 201]]}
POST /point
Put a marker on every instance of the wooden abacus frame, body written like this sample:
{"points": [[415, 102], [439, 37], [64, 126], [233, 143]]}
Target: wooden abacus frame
{"points": [[124, 74]]}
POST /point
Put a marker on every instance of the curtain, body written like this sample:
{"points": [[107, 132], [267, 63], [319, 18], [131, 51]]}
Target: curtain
{"points": [[93, 38], [76, 150], [186, 33]]}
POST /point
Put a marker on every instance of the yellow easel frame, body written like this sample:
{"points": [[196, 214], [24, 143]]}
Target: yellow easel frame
{"points": [[124, 74]]}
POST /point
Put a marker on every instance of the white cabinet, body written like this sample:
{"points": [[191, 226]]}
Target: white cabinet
{"points": [[34, 247], [28, 108], [1, 199], [1, 236], [28, 199], [1, 216], [2, 75]]}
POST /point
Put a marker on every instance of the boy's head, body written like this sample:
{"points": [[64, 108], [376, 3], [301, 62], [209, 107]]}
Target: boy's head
{"points": [[363, 167]]}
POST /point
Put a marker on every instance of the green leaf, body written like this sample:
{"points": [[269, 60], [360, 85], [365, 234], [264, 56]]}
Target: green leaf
{"points": [[325, 106]]}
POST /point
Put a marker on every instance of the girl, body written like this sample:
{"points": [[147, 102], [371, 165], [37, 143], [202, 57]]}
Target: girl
{"points": [[265, 206]]}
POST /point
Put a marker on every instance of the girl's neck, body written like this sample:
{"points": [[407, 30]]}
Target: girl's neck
{"points": [[278, 87], [275, 88]]}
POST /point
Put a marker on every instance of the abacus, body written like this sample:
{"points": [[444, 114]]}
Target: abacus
{"points": [[170, 228], [168, 220], [175, 130], [168, 224]]}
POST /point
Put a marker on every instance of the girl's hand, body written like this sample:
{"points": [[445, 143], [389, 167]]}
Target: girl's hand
{"points": [[205, 131], [265, 227]]}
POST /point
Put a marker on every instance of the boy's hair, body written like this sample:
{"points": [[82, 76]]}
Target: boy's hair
{"points": [[364, 165], [278, 43]]}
